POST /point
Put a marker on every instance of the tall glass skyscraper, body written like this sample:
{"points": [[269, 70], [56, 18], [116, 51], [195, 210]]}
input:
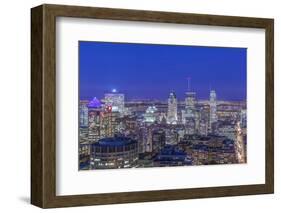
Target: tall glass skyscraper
{"points": [[213, 108], [172, 115]]}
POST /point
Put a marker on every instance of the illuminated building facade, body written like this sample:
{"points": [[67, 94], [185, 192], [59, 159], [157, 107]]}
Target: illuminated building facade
{"points": [[188, 114], [113, 153], [83, 110], [150, 115], [213, 108], [172, 116], [190, 101], [154, 126], [116, 101], [94, 120]]}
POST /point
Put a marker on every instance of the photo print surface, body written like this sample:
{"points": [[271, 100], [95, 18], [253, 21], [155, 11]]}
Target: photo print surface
{"points": [[152, 105]]}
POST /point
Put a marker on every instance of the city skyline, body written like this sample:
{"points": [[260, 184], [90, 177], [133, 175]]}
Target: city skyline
{"points": [[147, 73], [143, 134], [140, 105], [164, 100]]}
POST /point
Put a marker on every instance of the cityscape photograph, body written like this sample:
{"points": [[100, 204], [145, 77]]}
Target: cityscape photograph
{"points": [[158, 105]]}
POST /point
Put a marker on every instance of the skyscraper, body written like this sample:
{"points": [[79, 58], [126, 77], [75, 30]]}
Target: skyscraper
{"points": [[213, 108], [83, 109], [107, 127], [116, 101], [94, 120], [190, 101], [189, 113], [172, 116]]}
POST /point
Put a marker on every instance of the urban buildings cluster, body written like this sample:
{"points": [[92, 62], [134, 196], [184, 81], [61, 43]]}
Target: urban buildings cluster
{"points": [[119, 133]]}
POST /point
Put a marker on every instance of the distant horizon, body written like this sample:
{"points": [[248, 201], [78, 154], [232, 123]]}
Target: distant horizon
{"points": [[155, 99], [152, 71]]}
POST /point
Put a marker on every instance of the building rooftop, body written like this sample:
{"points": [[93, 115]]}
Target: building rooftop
{"points": [[170, 154], [115, 141]]}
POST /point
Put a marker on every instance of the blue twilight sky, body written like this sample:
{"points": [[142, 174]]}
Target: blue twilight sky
{"points": [[149, 71]]}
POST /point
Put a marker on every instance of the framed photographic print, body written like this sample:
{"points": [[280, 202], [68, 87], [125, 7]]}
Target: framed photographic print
{"points": [[137, 106]]}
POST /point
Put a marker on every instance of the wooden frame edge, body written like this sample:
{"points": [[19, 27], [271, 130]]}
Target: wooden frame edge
{"points": [[43, 180], [36, 106], [269, 118]]}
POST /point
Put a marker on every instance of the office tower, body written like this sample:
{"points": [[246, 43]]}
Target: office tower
{"points": [[83, 110], [94, 120], [107, 129], [213, 108], [190, 99], [116, 101], [189, 113], [172, 116], [190, 102], [115, 122]]}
